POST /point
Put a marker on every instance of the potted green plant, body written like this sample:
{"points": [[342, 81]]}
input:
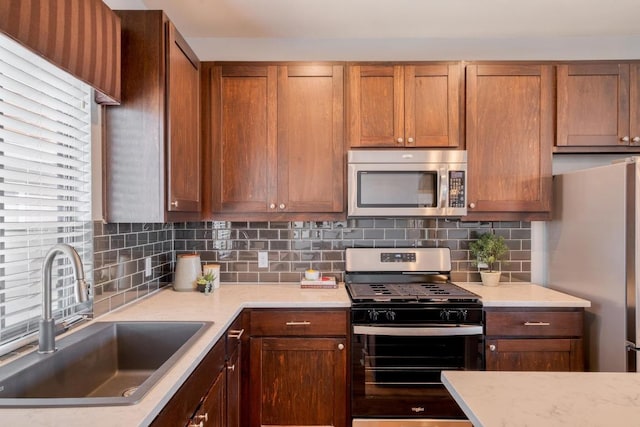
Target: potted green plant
{"points": [[204, 283], [489, 249]]}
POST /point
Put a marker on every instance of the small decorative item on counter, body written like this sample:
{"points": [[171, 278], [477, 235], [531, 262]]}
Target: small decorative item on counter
{"points": [[215, 270], [205, 283], [312, 274], [324, 282], [188, 269], [488, 249]]}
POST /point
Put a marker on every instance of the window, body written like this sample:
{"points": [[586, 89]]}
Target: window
{"points": [[45, 188]]}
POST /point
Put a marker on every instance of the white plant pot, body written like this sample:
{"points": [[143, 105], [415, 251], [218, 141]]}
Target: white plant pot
{"points": [[490, 278]]}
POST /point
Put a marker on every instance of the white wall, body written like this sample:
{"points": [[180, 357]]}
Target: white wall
{"points": [[479, 48], [96, 162]]}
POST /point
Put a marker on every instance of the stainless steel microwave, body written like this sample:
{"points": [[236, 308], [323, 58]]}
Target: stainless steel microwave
{"points": [[383, 183]]}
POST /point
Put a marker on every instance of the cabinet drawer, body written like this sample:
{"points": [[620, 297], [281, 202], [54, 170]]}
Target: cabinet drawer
{"points": [[298, 322], [534, 323]]}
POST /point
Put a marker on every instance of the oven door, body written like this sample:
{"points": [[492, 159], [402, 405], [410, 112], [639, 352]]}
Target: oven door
{"points": [[396, 369]]}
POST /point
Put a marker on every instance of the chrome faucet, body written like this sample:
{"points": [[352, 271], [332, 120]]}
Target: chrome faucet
{"points": [[47, 336]]}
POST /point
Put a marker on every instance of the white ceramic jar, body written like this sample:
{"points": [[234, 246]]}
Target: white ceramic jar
{"points": [[188, 269]]}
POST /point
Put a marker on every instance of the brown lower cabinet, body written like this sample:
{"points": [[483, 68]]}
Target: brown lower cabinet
{"points": [[534, 340], [201, 396], [210, 397], [298, 367]]}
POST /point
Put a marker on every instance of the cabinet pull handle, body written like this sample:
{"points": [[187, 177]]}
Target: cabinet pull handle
{"points": [[400, 140], [537, 323], [231, 368], [636, 139], [410, 140], [174, 203], [492, 347], [236, 334], [340, 346], [202, 418], [624, 139], [272, 206], [472, 205], [303, 323], [282, 206]]}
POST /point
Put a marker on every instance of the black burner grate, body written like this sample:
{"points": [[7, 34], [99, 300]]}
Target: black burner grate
{"points": [[408, 291]]}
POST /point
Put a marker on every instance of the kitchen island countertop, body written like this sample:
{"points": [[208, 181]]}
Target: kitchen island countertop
{"points": [[549, 399]]}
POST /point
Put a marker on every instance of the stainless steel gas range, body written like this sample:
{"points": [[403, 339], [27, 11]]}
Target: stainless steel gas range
{"points": [[409, 323]]}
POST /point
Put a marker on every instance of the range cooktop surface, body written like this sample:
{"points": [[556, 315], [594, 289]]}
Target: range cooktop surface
{"points": [[409, 292]]}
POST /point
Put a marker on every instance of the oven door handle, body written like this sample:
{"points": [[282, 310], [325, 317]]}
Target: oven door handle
{"points": [[421, 331]]}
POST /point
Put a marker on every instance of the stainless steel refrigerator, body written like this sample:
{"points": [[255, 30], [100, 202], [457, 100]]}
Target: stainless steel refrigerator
{"points": [[593, 251]]}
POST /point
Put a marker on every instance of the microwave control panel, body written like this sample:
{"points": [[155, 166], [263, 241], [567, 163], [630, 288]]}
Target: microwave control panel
{"points": [[456, 189]]}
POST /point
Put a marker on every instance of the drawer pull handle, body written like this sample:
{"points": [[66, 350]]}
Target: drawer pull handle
{"points": [[537, 323], [303, 323], [236, 334]]}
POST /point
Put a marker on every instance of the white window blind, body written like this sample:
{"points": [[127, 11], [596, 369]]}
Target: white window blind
{"points": [[45, 188]]}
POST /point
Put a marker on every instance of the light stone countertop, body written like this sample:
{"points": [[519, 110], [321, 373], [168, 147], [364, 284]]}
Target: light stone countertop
{"points": [[549, 399], [523, 295], [222, 307]]}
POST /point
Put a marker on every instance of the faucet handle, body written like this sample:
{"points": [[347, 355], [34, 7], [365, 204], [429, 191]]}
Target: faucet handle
{"points": [[82, 291]]}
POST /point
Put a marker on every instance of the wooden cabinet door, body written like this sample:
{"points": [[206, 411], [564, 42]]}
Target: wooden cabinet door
{"points": [[244, 152], [235, 335], [376, 106], [634, 104], [204, 382], [183, 125], [310, 163], [212, 409], [298, 381], [509, 140], [534, 355], [432, 105], [233, 389], [593, 105]]}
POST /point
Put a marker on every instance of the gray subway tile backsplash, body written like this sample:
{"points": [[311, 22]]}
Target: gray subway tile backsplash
{"points": [[295, 246], [292, 247]]}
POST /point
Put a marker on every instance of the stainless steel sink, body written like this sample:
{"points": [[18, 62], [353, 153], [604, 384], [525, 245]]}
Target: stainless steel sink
{"points": [[106, 363]]}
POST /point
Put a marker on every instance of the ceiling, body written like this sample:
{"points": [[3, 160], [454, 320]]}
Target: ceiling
{"points": [[403, 29]]}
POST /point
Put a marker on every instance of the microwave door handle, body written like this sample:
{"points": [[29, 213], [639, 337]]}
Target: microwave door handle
{"points": [[444, 189]]}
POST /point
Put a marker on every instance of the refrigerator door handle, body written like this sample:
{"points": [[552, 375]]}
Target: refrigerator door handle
{"points": [[632, 356]]}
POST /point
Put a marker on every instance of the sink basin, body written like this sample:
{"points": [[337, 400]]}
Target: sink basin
{"points": [[105, 363]]}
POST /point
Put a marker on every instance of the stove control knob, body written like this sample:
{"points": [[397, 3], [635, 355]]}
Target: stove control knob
{"points": [[445, 314], [462, 315], [373, 315], [391, 315]]}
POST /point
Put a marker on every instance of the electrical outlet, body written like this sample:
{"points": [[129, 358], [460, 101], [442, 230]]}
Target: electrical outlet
{"points": [[263, 259], [147, 266]]}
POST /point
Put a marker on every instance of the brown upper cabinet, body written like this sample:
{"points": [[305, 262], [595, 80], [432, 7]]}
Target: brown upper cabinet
{"points": [[276, 140], [509, 141], [411, 105], [152, 140], [598, 107]]}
